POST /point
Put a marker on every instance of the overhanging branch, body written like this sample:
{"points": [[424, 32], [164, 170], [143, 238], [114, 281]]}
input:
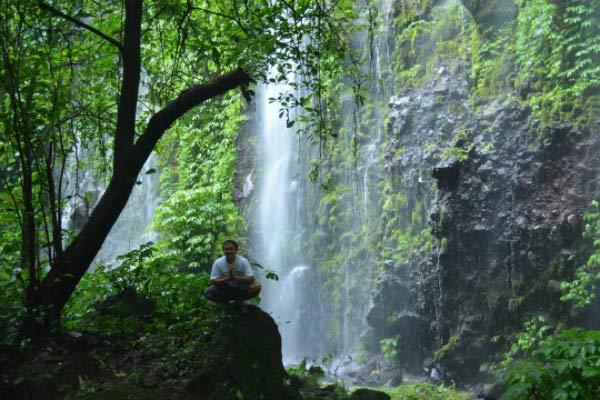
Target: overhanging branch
{"points": [[81, 24], [187, 100]]}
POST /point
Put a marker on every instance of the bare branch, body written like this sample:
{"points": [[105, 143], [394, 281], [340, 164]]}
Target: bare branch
{"points": [[81, 24]]}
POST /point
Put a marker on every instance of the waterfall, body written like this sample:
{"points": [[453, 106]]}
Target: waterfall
{"points": [[281, 299], [276, 145], [288, 221], [133, 228], [83, 191]]}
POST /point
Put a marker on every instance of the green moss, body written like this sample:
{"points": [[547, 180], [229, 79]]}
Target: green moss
{"points": [[446, 348], [423, 391], [440, 37], [391, 319], [456, 153], [492, 60], [492, 298], [410, 11], [428, 242], [514, 303], [443, 245], [388, 348]]}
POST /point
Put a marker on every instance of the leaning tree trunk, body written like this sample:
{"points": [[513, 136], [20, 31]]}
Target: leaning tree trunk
{"points": [[129, 157]]}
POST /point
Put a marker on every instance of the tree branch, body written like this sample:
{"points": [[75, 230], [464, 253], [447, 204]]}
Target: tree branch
{"points": [[130, 83], [186, 100], [81, 24]]}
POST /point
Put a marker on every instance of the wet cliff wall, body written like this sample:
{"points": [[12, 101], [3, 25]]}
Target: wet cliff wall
{"points": [[487, 178], [448, 207]]}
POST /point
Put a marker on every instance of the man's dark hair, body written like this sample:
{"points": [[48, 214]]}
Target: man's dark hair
{"points": [[232, 242]]}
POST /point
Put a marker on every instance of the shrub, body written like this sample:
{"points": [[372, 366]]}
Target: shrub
{"points": [[563, 366]]}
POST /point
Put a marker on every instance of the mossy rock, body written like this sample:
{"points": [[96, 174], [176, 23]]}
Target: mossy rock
{"points": [[245, 362]]}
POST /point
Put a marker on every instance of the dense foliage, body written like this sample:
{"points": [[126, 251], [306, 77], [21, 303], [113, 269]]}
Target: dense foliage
{"points": [[550, 53], [558, 47], [61, 78], [170, 295], [48, 126], [198, 161], [565, 366], [583, 289], [58, 87]]}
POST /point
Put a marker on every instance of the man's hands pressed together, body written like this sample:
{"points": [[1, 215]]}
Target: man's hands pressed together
{"points": [[231, 277], [240, 278]]}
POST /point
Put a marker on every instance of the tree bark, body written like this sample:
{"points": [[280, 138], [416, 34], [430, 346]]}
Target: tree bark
{"points": [[129, 157]]}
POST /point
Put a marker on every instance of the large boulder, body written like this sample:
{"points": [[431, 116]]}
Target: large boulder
{"points": [[245, 361], [368, 394]]}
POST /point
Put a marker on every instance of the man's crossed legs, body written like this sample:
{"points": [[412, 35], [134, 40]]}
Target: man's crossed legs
{"points": [[225, 293]]}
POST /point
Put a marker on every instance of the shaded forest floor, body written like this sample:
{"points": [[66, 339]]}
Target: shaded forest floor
{"points": [[88, 365], [136, 360]]}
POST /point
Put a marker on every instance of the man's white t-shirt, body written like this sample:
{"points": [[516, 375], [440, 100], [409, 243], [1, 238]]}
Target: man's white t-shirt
{"points": [[220, 268]]}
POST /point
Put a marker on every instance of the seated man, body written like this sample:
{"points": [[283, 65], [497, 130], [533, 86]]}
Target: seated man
{"points": [[231, 277]]}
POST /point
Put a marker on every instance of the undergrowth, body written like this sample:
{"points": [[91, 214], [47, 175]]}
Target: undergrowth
{"points": [[425, 391]]}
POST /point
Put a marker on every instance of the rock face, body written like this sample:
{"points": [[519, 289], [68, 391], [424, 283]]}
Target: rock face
{"points": [[481, 205], [491, 12], [393, 315], [246, 361], [510, 226], [506, 200], [426, 133]]}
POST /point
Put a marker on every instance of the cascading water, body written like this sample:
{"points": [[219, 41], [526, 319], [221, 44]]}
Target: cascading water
{"points": [[132, 228], [281, 299], [289, 234], [83, 191], [276, 144]]}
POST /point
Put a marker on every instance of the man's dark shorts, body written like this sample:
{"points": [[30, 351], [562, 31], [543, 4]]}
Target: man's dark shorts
{"points": [[223, 293]]}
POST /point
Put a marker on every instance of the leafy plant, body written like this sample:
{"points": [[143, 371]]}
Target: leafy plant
{"points": [[535, 330], [389, 348], [425, 391], [175, 292], [581, 291], [558, 45], [198, 159], [565, 366]]}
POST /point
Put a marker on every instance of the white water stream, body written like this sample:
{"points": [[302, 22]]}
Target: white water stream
{"points": [[132, 228], [283, 299], [83, 191], [285, 219]]}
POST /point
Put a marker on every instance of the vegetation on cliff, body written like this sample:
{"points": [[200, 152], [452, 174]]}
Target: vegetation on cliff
{"points": [[59, 84], [547, 360]]}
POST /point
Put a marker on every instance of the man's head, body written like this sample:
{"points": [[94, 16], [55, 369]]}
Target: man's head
{"points": [[230, 248]]}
